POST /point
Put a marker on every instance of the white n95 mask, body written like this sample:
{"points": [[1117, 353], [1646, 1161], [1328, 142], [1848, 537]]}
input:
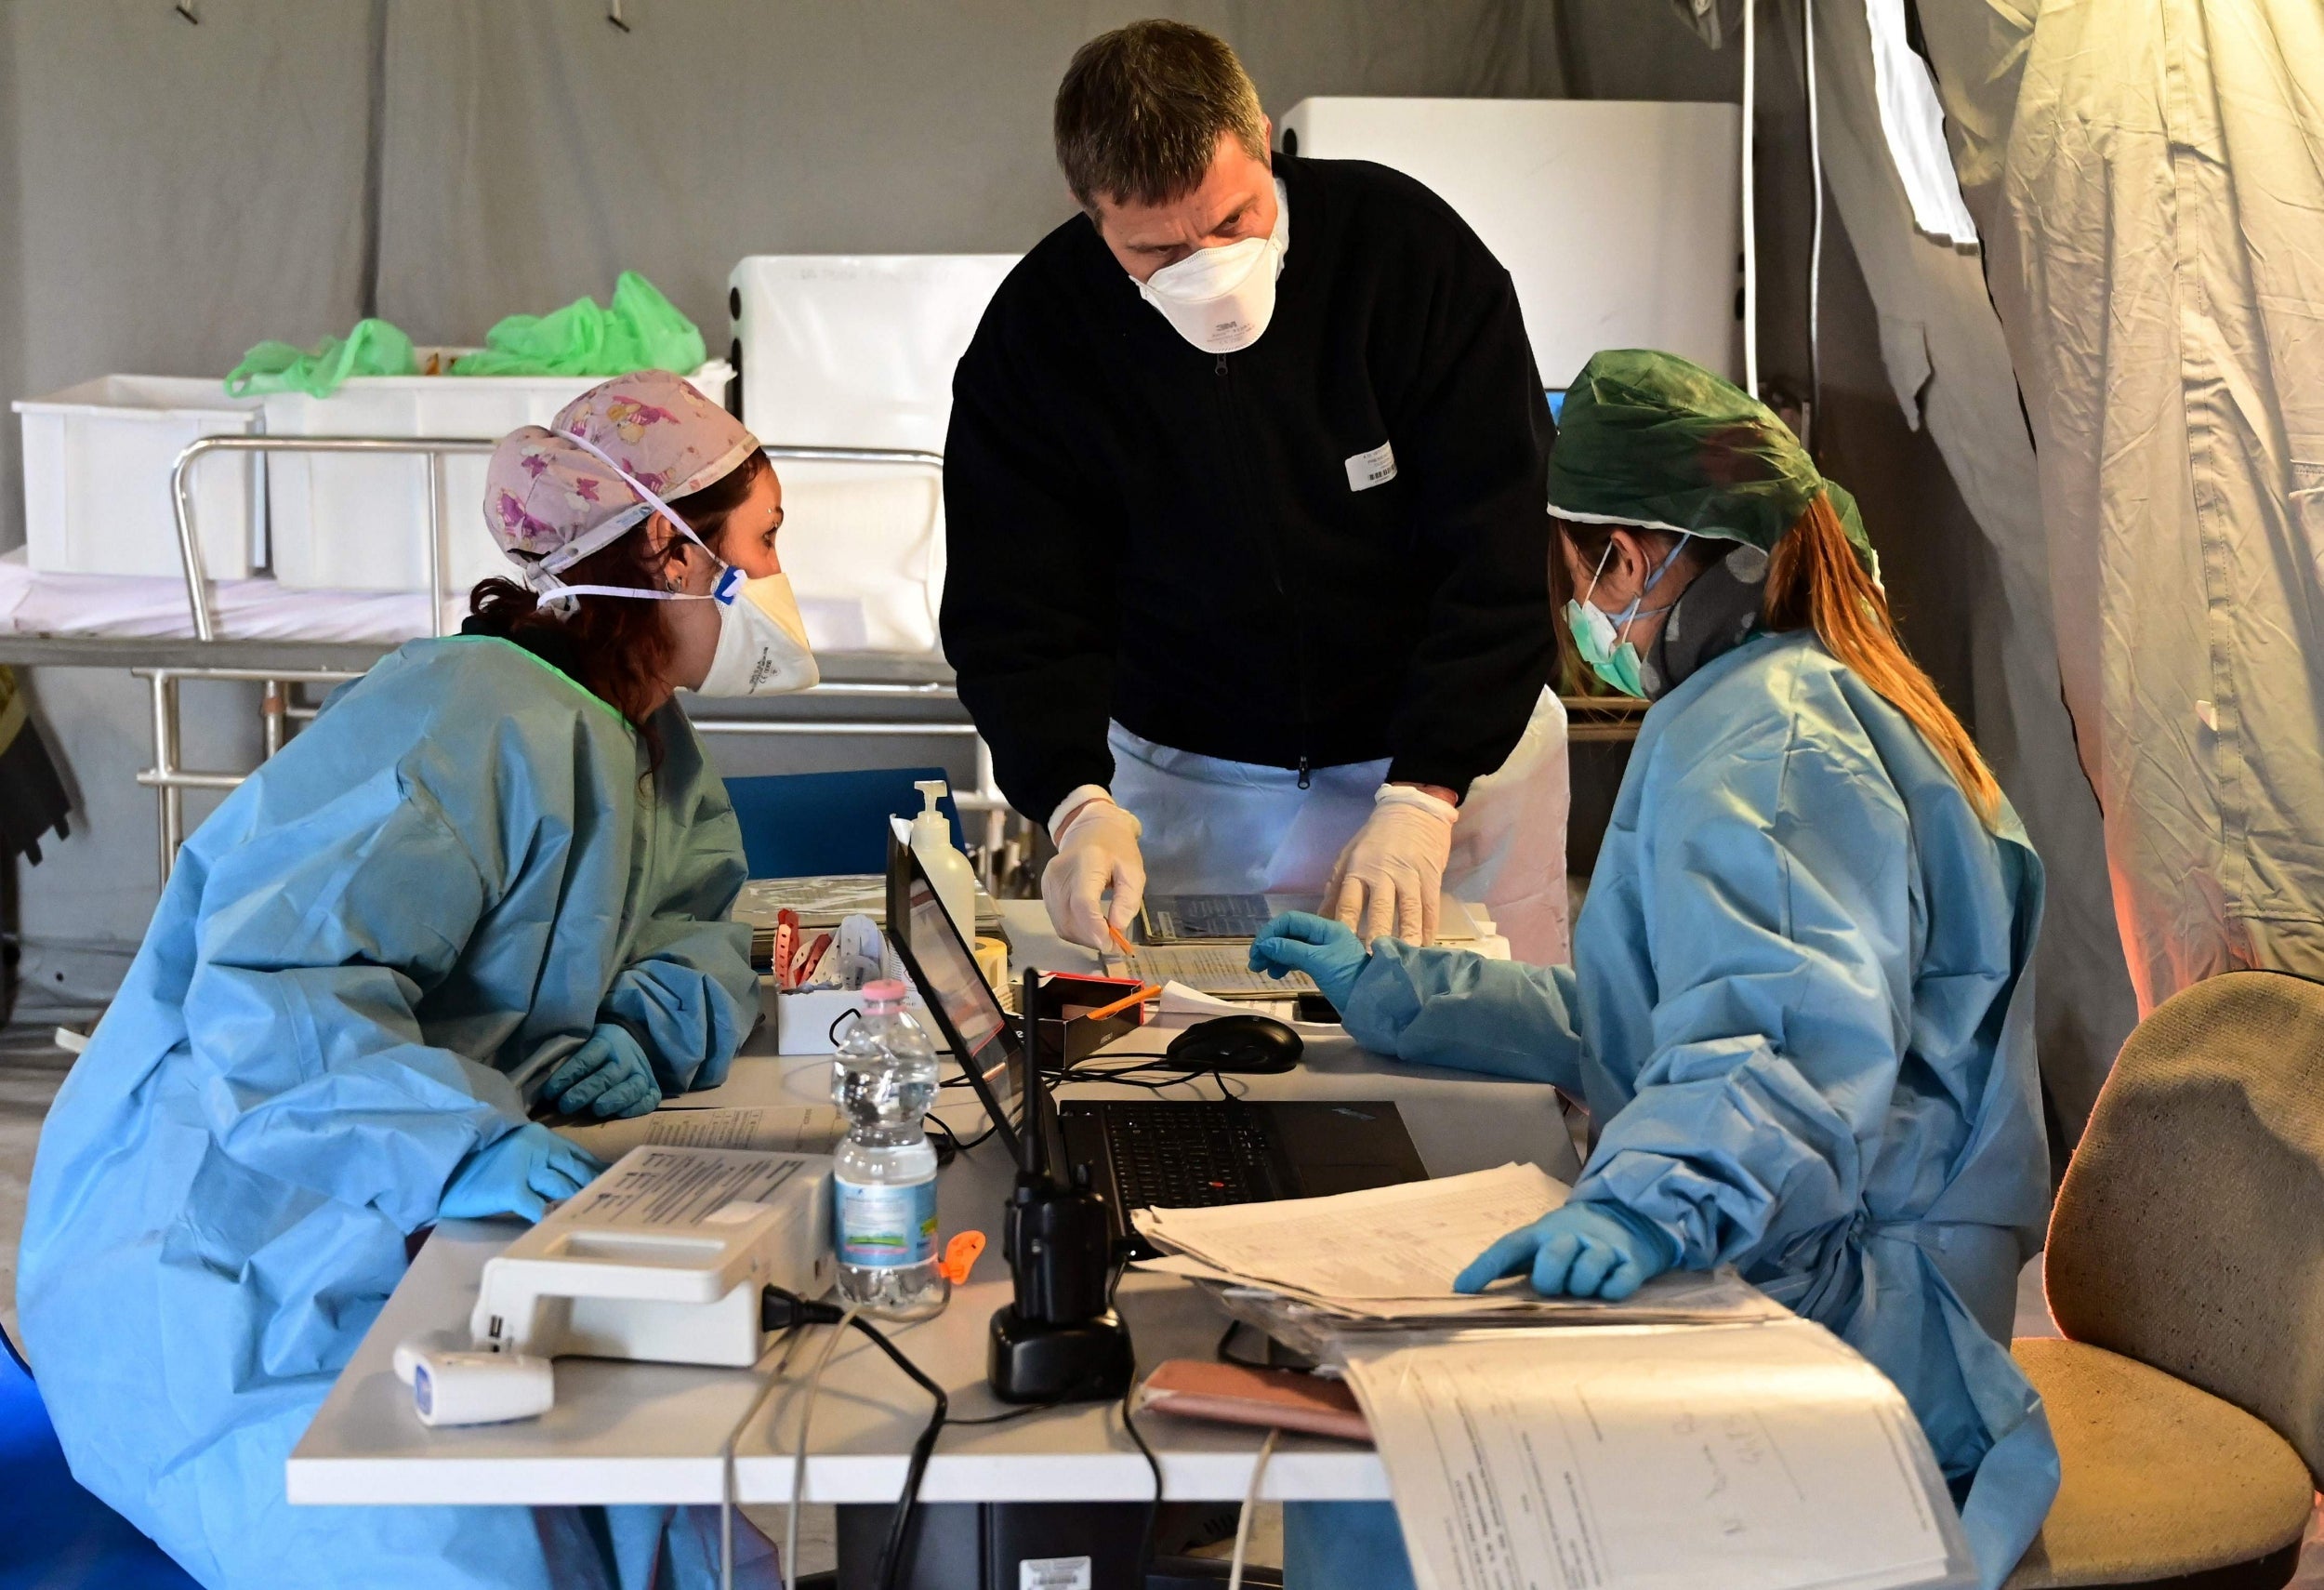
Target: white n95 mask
{"points": [[762, 641], [1220, 299]]}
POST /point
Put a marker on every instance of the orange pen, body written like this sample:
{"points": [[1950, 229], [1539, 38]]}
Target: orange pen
{"points": [[1151, 991]]}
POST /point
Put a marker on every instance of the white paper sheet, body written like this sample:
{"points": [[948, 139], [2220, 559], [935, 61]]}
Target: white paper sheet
{"points": [[1219, 970], [778, 1128], [1403, 1242], [1753, 1457]]}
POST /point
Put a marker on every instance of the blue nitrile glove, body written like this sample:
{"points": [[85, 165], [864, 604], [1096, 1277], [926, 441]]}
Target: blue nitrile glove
{"points": [[607, 1075], [1326, 950], [1583, 1249], [522, 1173]]}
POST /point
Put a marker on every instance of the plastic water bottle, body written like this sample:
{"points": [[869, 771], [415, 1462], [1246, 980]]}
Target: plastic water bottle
{"points": [[884, 1081]]}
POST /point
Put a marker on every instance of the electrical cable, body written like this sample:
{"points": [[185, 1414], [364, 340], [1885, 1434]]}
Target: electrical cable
{"points": [[1154, 1508], [1226, 1340], [726, 1459], [1011, 1415], [907, 1505], [1751, 201], [1816, 233], [799, 1452], [779, 1309], [1251, 1506]]}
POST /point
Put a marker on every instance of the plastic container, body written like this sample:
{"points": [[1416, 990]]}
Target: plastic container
{"points": [[96, 464], [858, 350], [811, 1021], [344, 522], [883, 1079], [948, 871]]}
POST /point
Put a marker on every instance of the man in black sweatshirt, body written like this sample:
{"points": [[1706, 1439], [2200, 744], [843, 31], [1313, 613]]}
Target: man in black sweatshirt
{"points": [[1248, 550]]}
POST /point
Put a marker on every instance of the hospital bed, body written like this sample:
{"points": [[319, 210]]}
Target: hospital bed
{"points": [[295, 643]]}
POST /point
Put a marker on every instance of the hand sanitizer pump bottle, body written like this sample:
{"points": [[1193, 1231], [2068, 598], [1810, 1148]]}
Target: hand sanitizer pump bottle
{"points": [[954, 879]]}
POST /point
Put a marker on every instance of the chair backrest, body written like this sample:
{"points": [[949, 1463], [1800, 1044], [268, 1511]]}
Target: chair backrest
{"points": [[809, 825], [2189, 1232]]}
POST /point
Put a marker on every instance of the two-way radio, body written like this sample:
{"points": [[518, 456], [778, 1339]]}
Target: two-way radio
{"points": [[1060, 1341]]}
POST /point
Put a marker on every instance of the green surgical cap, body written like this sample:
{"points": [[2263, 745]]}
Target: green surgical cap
{"points": [[1649, 440]]}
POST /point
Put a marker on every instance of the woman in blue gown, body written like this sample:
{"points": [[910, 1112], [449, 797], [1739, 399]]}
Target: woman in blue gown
{"points": [[494, 874], [1799, 1011]]}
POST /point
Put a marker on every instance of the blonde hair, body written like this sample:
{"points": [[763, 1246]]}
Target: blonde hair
{"points": [[1815, 582]]}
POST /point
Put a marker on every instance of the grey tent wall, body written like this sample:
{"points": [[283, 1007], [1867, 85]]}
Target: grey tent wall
{"points": [[170, 193]]}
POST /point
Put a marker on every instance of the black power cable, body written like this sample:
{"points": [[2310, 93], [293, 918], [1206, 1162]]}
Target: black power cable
{"points": [[781, 1310]]}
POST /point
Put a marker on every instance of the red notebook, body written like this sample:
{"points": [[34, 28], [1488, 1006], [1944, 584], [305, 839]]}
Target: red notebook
{"points": [[1228, 1394]]}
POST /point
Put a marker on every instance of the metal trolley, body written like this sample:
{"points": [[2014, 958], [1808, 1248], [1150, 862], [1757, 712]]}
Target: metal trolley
{"points": [[861, 680]]}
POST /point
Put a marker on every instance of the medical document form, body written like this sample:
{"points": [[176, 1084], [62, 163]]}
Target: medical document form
{"points": [[1753, 1457]]}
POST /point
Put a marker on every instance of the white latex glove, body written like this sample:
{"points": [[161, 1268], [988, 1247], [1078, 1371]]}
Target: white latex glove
{"points": [[1387, 879], [1096, 850]]}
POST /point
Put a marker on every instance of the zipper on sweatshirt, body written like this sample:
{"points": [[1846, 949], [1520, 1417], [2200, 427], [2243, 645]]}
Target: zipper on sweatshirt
{"points": [[1224, 385]]}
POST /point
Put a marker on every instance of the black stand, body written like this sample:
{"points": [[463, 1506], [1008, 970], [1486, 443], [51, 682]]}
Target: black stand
{"points": [[1032, 1361]]}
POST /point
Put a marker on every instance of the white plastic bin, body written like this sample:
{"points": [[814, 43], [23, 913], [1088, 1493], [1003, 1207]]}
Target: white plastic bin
{"points": [[96, 464], [858, 350], [345, 523]]}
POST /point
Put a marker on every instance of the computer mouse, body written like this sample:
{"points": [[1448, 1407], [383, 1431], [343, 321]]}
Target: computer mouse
{"points": [[1244, 1045]]}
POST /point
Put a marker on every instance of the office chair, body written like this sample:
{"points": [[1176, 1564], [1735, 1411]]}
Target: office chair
{"points": [[2186, 1267], [813, 825]]}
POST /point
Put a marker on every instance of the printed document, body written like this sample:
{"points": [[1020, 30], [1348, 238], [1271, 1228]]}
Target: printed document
{"points": [[1752, 1457], [773, 1129], [1403, 1242], [1221, 970]]}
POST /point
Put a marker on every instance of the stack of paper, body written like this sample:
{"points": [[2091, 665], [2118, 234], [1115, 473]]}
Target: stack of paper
{"points": [[1221, 970], [1390, 1254], [1189, 918], [767, 1128], [1752, 1457], [822, 902]]}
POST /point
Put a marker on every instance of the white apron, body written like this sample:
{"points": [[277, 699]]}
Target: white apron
{"points": [[1214, 826]]}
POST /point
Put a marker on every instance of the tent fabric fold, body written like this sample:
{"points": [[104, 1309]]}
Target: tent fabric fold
{"points": [[2149, 179]]}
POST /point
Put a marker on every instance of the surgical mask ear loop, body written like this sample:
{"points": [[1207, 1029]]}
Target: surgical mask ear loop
{"points": [[1632, 615], [1600, 570]]}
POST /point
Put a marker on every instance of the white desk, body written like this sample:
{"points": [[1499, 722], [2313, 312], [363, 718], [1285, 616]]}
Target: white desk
{"points": [[626, 1432]]}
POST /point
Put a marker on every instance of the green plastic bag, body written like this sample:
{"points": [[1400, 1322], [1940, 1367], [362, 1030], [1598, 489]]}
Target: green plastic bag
{"points": [[374, 347], [640, 332]]}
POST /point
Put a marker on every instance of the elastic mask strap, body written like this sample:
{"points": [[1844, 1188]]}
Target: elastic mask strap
{"points": [[730, 582], [1599, 570], [1652, 580], [730, 578]]}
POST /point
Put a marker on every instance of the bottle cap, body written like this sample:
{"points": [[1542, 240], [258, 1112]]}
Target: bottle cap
{"points": [[886, 993]]}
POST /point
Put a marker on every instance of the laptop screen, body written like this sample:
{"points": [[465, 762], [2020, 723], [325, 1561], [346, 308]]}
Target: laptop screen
{"points": [[965, 1008], [949, 972]]}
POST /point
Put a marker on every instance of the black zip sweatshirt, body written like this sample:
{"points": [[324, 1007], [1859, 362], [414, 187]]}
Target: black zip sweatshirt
{"points": [[1176, 539]]}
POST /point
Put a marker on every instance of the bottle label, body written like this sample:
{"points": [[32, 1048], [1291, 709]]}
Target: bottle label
{"points": [[886, 1228]]}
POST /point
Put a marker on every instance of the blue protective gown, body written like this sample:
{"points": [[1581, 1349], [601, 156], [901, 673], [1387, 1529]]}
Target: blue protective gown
{"points": [[1801, 1009], [362, 970]]}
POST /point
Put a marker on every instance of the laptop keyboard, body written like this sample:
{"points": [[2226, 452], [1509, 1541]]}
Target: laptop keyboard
{"points": [[1188, 1154]]}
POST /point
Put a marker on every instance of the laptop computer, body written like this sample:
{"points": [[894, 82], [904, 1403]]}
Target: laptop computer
{"points": [[1138, 1153]]}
